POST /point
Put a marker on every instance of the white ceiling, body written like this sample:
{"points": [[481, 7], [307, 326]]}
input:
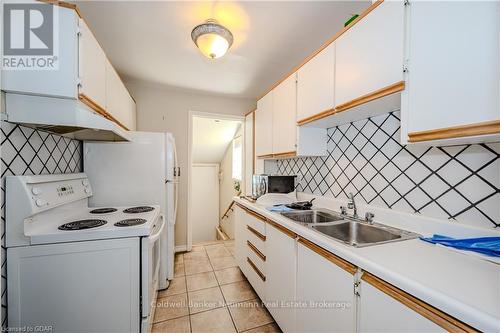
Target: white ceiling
{"points": [[151, 41], [211, 138]]}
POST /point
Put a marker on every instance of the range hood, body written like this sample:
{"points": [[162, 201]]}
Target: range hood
{"points": [[68, 117]]}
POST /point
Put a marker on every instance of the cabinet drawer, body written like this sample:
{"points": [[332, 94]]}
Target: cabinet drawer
{"points": [[256, 278], [256, 222], [256, 259], [256, 241]]}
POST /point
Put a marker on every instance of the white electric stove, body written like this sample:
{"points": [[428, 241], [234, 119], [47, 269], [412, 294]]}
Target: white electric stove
{"points": [[76, 268]]}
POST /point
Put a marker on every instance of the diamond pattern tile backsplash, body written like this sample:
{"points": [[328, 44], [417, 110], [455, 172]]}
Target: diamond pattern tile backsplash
{"points": [[366, 158], [25, 151]]}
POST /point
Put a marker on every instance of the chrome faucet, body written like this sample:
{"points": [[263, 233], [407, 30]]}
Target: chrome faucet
{"points": [[352, 205]]}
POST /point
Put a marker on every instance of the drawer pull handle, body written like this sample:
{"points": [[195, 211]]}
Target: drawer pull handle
{"points": [[256, 215], [259, 273], [256, 233], [256, 250]]}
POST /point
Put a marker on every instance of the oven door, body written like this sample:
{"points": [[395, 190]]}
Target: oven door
{"points": [[150, 267]]}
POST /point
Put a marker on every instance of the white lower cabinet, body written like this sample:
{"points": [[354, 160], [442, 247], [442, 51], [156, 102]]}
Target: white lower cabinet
{"points": [[308, 289], [379, 312], [324, 293], [281, 258], [239, 237]]}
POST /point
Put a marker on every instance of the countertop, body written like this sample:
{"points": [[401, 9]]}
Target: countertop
{"points": [[463, 286]]}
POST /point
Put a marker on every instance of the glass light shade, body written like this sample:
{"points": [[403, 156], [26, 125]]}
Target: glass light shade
{"points": [[212, 39], [212, 45]]}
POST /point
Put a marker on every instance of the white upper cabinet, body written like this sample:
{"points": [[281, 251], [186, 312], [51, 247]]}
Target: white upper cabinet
{"points": [[120, 104], [369, 56], [453, 72], [62, 82], [264, 126], [284, 116], [92, 67], [315, 84], [84, 73]]}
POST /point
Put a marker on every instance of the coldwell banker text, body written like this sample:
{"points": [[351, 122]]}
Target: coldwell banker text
{"points": [[30, 36]]}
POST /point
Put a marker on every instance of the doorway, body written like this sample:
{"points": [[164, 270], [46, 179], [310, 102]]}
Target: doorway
{"points": [[216, 175]]}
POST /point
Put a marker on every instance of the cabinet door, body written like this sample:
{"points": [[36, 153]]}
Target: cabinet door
{"points": [[453, 65], [240, 238], [264, 125], [116, 101], [381, 313], [369, 56], [315, 84], [321, 282], [92, 67], [285, 116], [132, 113], [281, 256], [119, 103], [56, 83]]}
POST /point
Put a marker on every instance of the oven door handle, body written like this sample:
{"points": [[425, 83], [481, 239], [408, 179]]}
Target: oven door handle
{"points": [[153, 238]]}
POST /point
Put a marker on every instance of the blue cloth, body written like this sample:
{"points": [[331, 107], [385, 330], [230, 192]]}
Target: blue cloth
{"points": [[489, 246], [279, 209]]}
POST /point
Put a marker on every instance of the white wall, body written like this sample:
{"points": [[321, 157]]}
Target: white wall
{"points": [[226, 188], [161, 108]]}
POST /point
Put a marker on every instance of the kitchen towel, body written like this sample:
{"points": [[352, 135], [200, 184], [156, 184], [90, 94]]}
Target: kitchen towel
{"points": [[279, 209], [489, 246]]}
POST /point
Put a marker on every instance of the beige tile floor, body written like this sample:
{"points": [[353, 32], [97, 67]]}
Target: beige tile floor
{"points": [[210, 294]]}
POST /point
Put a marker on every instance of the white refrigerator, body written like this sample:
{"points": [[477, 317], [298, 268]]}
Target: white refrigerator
{"points": [[141, 172]]}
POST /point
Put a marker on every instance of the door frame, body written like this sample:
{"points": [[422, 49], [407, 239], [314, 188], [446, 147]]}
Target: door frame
{"points": [[200, 114]]}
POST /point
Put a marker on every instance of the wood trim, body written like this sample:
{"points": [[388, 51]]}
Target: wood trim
{"points": [[256, 233], [281, 228], [265, 156], [389, 90], [315, 117], [436, 316], [100, 110], [63, 4], [259, 273], [286, 154], [227, 210], [345, 265], [241, 206], [256, 250], [257, 215], [483, 128], [325, 45], [249, 112]]}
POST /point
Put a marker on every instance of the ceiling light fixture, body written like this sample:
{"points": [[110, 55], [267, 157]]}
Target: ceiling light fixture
{"points": [[212, 39]]}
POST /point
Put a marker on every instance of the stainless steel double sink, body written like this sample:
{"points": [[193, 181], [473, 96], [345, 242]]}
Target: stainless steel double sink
{"points": [[349, 230]]}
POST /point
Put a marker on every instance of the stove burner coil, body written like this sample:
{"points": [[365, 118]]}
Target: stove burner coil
{"points": [[103, 210], [130, 222], [139, 209], [82, 224]]}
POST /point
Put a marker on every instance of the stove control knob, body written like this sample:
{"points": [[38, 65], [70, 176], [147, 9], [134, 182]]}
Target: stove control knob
{"points": [[36, 190], [40, 202], [85, 182], [87, 191]]}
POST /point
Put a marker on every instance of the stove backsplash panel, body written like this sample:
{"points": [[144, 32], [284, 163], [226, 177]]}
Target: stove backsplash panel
{"points": [[458, 183], [25, 151]]}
